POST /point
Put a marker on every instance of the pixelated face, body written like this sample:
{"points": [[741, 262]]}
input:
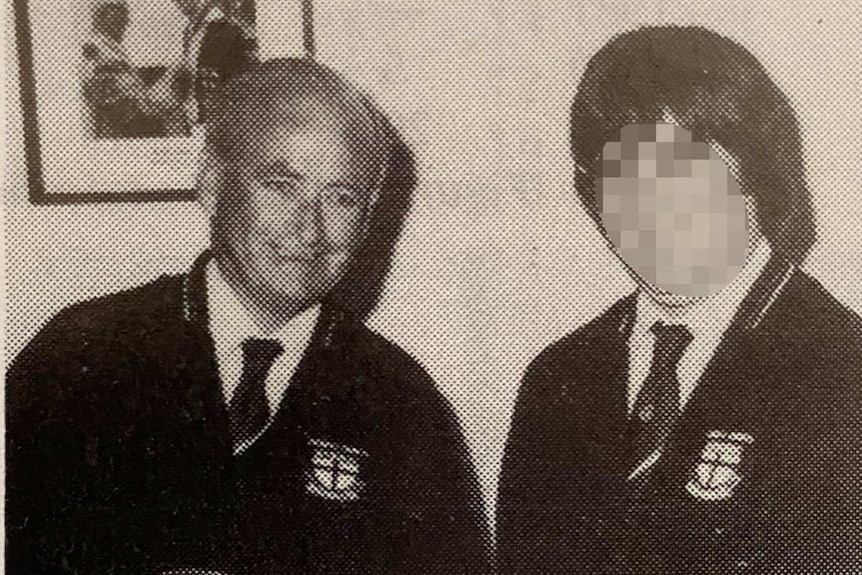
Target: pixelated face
{"points": [[294, 209], [673, 211]]}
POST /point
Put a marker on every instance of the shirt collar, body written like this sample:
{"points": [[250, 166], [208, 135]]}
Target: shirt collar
{"points": [[230, 322], [710, 316]]}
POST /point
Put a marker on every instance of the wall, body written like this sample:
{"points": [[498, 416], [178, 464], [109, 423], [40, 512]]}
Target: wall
{"points": [[497, 260]]}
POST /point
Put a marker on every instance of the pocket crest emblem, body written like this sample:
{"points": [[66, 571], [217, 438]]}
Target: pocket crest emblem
{"points": [[335, 471], [716, 475]]}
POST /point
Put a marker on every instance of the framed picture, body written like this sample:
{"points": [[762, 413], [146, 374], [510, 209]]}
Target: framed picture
{"points": [[115, 94]]}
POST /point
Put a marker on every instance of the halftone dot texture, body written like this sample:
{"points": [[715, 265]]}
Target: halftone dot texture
{"points": [[717, 90], [586, 487], [296, 164], [248, 408], [657, 407], [499, 262], [124, 99], [672, 209], [341, 456]]}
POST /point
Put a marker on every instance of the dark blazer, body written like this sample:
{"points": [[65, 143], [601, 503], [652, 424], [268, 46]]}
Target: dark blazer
{"points": [[786, 382], [119, 457]]}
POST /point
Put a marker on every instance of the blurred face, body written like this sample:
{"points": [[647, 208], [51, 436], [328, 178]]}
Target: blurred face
{"points": [[293, 209], [673, 211]]}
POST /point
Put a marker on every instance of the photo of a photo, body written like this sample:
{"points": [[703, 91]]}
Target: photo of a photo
{"points": [[133, 82], [412, 287], [154, 90]]}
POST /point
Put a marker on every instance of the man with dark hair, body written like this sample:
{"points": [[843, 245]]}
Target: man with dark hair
{"points": [[239, 418], [710, 422]]}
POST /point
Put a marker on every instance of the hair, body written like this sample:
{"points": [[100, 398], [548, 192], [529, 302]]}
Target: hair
{"points": [[268, 86], [717, 90], [273, 89]]}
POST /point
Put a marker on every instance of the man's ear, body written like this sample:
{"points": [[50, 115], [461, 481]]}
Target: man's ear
{"points": [[211, 173]]}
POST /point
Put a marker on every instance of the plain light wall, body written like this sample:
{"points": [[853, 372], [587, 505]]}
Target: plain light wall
{"points": [[497, 260]]}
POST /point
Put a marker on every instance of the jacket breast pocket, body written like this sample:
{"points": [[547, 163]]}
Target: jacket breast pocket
{"points": [[336, 472]]}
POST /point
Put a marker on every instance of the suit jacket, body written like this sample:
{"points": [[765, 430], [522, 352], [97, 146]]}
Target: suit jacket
{"points": [[762, 472], [119, 456]]}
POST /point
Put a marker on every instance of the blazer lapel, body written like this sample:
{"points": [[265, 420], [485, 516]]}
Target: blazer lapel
{"points": [[601, 410], [288, 418], [204, 395], [196, 353], [730, 393]]}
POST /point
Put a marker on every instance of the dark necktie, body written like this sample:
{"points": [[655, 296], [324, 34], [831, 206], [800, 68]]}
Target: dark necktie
{"points": [[657, 406], [249, 409]]}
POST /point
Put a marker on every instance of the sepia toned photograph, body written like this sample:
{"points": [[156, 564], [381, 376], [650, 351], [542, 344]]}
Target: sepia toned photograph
{"points": [[409, 287]]}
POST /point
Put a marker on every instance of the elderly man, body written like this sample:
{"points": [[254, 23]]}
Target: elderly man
{"points": [[710, 422], [238, 419]]}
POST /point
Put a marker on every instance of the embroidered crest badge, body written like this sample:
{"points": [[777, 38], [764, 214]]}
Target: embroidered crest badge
{"points": [[716, 475], [335, 472]]}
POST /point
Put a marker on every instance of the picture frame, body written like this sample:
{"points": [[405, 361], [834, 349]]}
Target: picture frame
{"points": [[119, 121]]}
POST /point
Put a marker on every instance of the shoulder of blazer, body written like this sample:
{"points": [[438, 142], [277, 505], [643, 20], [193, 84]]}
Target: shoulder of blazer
{"points": [[813, 348], [118, 316], [814, 326], [395, 375], [820, 344], [83, 343], [605, 333], [158, 301]]}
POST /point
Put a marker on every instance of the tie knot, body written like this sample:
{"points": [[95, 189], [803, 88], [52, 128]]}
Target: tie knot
{"points": [[259, 354], [670, 340]]}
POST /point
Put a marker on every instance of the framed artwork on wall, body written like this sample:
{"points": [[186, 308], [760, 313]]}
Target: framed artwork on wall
{"points": [[115, 94]]}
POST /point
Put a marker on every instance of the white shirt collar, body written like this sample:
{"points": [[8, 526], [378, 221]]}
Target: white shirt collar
{"points": [[709, 315], [231, 323], [707, 320]]}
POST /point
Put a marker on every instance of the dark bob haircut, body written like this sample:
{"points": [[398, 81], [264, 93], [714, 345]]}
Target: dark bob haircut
{"points": [[717, 90]]}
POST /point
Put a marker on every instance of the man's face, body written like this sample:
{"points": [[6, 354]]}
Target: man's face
{"points": [[294, 209], [673, 211]]}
